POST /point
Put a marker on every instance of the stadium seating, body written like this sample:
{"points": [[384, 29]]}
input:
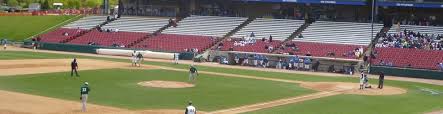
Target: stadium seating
{"points": [[86, 22], [108, 38], [280, 29], [57, 36], [176, 43], [422, 29], [402, 57], [137, 24], [258, 46], [206, 26], [323, 49], [339, 32]]}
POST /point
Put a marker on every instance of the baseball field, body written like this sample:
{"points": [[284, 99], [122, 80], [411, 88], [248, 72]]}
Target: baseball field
{"points": [[40, 82], [18, 28]]}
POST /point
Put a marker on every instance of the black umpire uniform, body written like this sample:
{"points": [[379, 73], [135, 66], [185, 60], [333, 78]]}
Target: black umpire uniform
{"points": [[74, 67], [381, 79]]}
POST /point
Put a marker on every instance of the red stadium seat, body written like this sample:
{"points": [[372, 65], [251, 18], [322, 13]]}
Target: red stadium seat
{"points": [[417, 58]]}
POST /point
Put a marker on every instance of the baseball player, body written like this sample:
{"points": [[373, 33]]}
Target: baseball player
{"points": [[139, 59], [190, 109], [134, 58], [193, 73], [74, 67], [362, 80], [176, 58], [84, 91]]}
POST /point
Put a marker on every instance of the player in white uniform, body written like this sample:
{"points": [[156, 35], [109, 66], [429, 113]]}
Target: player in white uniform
{"points": [[362, 80], [134, 58], [190, 109], [176, 58]]}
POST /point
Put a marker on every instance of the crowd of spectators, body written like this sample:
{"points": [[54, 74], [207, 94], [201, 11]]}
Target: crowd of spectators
{"points": [[411, 39]]}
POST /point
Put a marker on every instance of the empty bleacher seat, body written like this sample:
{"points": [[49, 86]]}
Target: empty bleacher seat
{"points": [[176, 43], [137, 24], [108, 38], [206, 25], [87, 22], [280, 29], [57, 35], [323, 49], [403, 57], [339, 32]]}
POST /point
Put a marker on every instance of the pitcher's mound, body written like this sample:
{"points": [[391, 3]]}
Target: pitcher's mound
{"points": [[352, 88], [165, 84]]}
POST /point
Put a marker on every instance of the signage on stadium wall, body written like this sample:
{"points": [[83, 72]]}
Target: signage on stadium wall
{"points": [[417, 5], [314, 1], [344, 2]]}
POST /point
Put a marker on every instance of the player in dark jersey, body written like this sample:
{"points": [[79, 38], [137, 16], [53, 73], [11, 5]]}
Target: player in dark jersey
{"points": [[381, 80], [84, 91], [193, 73], [74, 67]]}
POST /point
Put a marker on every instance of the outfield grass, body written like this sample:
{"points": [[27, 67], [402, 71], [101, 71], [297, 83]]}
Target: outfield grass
{"points": [[413, 102], [118, 87], [18, 28]]}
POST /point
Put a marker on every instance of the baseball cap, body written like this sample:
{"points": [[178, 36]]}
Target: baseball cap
{"points": [[86, 83]]}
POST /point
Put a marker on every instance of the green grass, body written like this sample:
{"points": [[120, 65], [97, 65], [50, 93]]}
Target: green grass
{"points": [[11, 55], [18, 28], [118, 87], [414, 102]]}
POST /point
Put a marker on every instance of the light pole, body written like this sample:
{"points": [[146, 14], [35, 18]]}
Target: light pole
{"points": [[372, 19]]}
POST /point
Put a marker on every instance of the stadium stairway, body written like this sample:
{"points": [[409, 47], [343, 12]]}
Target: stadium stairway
{"points": [[371, 48], [229, 34], [297, 32]]}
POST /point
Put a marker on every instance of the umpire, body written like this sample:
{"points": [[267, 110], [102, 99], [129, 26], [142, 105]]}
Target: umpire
{"points": [[381, 79], [84, 91], [74, 67]]}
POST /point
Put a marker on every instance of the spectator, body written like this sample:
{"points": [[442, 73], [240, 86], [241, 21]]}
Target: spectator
{"points": [[270, 38], [381, 63], [441, 66], [252, 34], [308, 54]]}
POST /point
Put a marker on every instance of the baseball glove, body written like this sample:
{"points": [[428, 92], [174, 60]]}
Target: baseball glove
{"points": [[80, 98]]}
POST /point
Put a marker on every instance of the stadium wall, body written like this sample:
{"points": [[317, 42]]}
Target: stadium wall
{"points": [[407, 72]]}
